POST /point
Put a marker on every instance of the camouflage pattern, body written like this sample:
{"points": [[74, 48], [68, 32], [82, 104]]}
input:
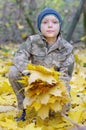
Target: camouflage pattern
{"points": [[37, 51]]}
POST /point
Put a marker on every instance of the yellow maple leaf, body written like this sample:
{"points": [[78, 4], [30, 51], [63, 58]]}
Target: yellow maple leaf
{"points": [[44, 98], [83, 38], [47, 128], [56, 106], [43, 111], [32, 127], [75, 114], [8, 123], [53, 99], [76, 57], [24, 80], [5, 86], [56, 92], [42, 76], [42, 85], [20, 26], [44, 70], [36, 105]]}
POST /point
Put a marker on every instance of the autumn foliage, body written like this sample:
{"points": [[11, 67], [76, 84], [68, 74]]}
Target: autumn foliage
{"points": [[51, 94], [45, 90]]}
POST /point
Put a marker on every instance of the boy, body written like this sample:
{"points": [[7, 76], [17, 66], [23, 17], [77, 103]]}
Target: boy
{"points": [[47, 48]]}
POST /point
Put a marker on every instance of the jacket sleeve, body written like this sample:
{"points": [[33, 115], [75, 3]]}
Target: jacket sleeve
{"points": [[68, 65], [22, 56]]}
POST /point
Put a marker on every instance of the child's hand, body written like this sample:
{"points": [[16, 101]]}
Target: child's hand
{"points": [[26, 73]]}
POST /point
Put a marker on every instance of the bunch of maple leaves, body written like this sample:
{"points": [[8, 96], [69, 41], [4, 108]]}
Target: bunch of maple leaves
{"points": [[45, 90], [8, 102]]}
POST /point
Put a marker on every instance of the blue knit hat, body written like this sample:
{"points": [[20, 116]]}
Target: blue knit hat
{"points": [[45, 12]]}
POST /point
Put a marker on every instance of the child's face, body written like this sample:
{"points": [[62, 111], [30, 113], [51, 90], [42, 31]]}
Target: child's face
{"points": [[50, 26]]}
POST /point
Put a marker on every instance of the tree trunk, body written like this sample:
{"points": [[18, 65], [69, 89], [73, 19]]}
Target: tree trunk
{"points": [[84, 13], [20, 3], [75, 20], [32, 5]]}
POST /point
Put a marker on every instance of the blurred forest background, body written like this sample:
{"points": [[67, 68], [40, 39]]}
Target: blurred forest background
{"points": [[17, 22], [18, 18]]}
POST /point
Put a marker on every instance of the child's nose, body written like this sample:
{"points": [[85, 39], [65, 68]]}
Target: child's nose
{"points": [[50, 24]]}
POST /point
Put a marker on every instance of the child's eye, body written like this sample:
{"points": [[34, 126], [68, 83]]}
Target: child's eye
{"points": [[44, 22], [55, 22]]}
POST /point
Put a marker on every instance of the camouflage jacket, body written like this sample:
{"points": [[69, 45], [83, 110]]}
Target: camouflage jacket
{"points": [[36, 51]]}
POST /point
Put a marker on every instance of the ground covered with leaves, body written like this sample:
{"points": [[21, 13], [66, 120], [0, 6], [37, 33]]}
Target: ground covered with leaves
{"points": [[8, 103]]}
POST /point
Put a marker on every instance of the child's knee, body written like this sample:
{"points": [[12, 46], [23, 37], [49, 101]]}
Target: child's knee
{"points": [[13, 73]]}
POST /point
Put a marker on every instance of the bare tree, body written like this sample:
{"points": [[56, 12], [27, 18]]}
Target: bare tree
{"points": [[32, 5], [84, 13], [75, 19], [22, 11]]}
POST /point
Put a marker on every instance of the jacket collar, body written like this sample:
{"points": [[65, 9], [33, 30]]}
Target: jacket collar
{"points": [[59, 44]]}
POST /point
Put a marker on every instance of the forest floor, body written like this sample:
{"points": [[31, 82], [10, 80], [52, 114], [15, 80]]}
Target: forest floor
{"points": [[8, 102]]}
